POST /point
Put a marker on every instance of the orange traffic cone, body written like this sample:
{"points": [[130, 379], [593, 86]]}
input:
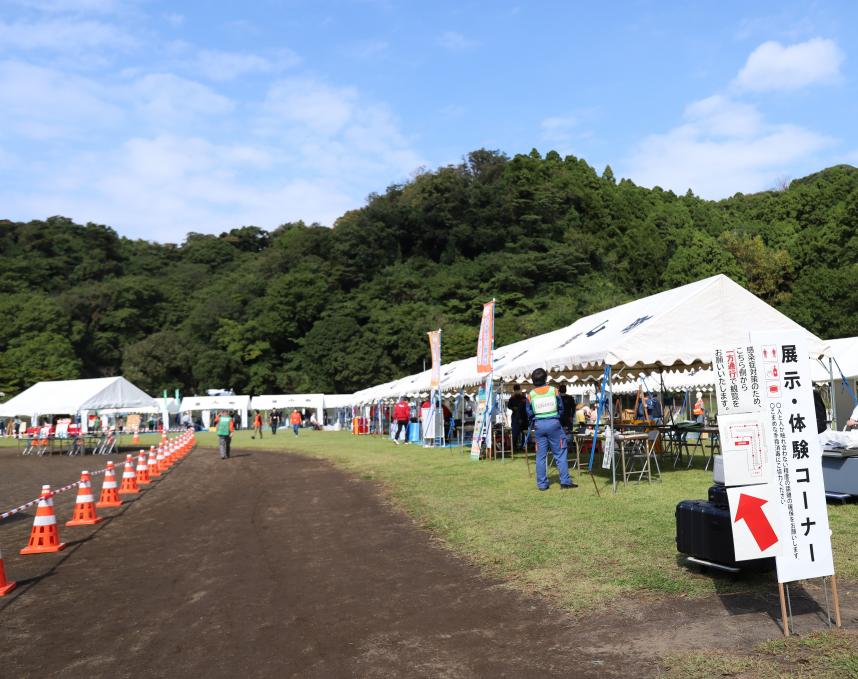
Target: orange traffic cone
{"points": [[109, 493], [163, 458], [5, 585], [84, 506], [152, 464], [129, 477], [143, 470], [136, 438], [45, 537]]}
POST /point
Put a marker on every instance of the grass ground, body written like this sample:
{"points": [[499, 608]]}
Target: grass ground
{"points": [[820, 655], [578, 549]]}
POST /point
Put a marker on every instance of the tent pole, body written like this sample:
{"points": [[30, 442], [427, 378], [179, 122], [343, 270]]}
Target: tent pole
{"points": [[831, 395], [610, 430]]}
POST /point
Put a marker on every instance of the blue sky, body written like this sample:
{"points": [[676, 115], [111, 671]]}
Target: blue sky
{"points": [[160, 118]]}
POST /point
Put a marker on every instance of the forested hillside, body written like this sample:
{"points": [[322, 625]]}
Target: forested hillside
{"points": [[310, 308]]}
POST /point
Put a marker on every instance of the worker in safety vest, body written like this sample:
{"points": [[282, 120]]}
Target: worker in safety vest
{"points": [[544, 411], [697, 409], [225, 427]]}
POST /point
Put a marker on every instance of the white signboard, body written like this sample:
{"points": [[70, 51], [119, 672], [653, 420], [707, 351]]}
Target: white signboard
{"points": [[796, 456], [767, 384], [743, 449], [737, 380], [754, 515]]}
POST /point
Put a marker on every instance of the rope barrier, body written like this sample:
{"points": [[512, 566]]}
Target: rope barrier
{"points": [[64, 489]]}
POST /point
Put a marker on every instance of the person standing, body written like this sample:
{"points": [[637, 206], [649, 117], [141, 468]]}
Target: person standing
{"points": [[295, 420], [567, 420], [274, 421], [257, 425], [698, 410], [224, 429], [402, 417], [544, 412], [517, 403]]}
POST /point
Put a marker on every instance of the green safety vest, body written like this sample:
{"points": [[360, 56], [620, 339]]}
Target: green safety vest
{"points": [[544, 405], [223, 426]]}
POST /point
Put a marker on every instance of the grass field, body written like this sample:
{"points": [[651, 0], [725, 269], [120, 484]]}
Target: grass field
{"points": [[578, 549]]}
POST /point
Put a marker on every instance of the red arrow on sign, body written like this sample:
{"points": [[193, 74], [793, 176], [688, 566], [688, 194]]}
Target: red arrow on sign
{"points": [[751, 510]]}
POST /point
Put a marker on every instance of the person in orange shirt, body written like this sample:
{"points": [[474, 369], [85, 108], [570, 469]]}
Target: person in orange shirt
{"points": [[257, 425], [295, 421]]}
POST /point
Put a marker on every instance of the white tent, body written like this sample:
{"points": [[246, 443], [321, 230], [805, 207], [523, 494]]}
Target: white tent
{"points": [[672, 329], [669, 331], [277, 401], [206, 404], [844, 366], [69, 397]]}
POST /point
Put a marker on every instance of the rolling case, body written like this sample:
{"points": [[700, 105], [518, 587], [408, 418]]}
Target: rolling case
{"points": [[703, 531], [718, 496]]}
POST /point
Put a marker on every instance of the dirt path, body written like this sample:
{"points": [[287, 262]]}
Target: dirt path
{"points": [[272, 565]]}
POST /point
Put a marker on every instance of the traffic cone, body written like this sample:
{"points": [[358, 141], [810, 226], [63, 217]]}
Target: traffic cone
{"points": [[165, 460], [129, 477], [143, 469], [5, 585], [136, 438], [84, 506], [45, 537], [109, 493], [152, 464]]}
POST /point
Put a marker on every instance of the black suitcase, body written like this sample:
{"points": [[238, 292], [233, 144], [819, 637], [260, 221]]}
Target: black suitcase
{"points": [[718, 496], [703, 531]]}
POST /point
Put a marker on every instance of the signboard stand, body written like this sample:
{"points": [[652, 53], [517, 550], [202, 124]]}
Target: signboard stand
{"points": [[786, 604]]}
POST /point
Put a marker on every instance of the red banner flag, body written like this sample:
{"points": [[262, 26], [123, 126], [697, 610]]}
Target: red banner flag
{"points": [[435, 349], [486, 342]]}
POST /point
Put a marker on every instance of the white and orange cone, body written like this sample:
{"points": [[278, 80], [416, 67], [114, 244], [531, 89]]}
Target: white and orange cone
{"points": [[84, 506], [152, 464], [45, 536], [143, 469], [6, 586], [129, 477], [109, 492], [136, 438], [164, 460]]}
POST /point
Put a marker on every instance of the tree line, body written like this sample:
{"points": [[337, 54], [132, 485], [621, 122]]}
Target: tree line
{"points": [[310, 308]]}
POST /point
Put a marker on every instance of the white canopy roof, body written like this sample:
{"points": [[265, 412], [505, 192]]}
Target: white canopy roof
{"points": [[269, 401], [190, 403], [671, 330], [72, 396], [845, 352]]}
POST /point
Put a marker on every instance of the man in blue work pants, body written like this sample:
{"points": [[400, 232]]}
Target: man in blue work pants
{"points": [[544, 411]]}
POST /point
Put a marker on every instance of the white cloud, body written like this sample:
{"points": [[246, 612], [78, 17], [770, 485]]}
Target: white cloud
{"points": [[222, 66], [456, 42], [72, 6], [723, 147], [559, 129], [308, 150], [62, 35], [773, 66], [166, 100], [43, 103]]}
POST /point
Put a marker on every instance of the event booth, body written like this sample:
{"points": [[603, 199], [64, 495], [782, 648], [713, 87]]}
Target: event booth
{"points": [[78, 398], [313, 402], [206, 405], [842, 372]]}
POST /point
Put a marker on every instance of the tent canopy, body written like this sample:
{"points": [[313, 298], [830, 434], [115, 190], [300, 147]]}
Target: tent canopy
{"points": [[670, 331], [271, 401], [68, 397], [190, 403]]}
